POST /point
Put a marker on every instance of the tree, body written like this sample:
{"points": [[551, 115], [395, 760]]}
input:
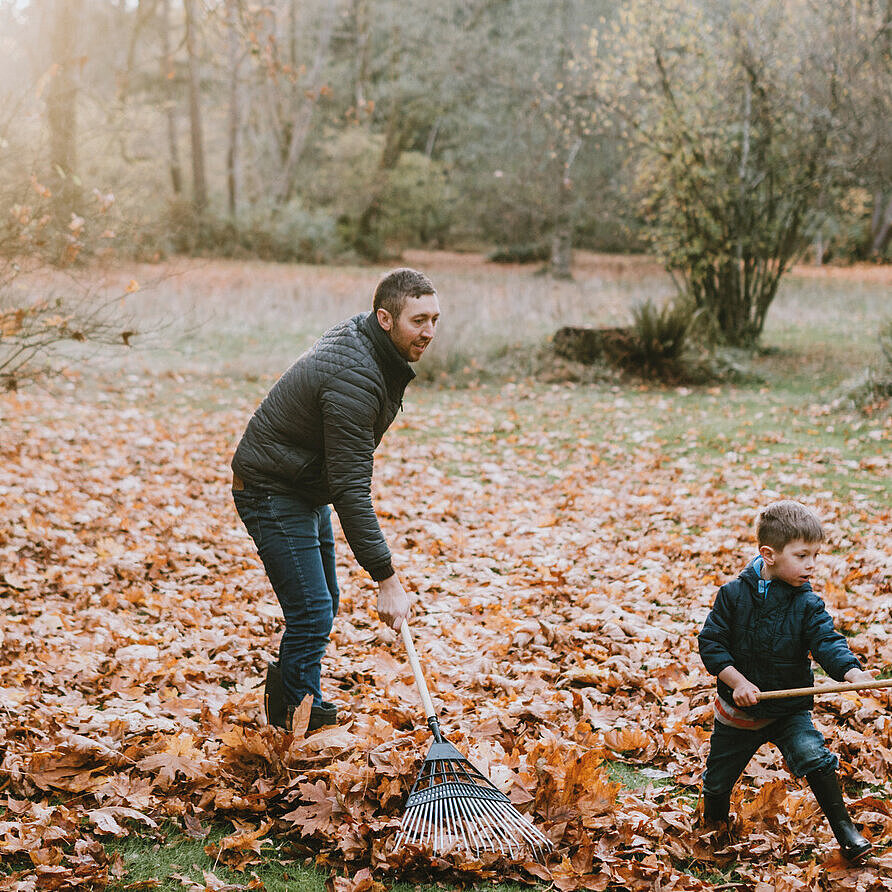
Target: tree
{"points": [[861, 31], [167, 79], [731, 110], [196, 129], [61, 104]]}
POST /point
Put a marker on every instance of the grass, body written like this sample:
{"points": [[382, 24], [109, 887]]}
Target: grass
{"points": [[166, 858]]}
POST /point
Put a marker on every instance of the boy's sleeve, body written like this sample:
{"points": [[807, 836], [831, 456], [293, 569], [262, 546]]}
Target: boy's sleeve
{"points": [[715, 636], [828, 646]]}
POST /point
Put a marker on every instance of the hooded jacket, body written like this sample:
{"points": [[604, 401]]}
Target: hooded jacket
{"points": [[315, 433], [766, 630]]}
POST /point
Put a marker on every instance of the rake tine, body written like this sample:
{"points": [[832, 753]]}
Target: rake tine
{"points": [[485, 817], [451, 825], [467, 828]]}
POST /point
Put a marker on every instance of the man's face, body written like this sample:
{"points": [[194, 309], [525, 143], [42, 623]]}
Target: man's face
{"points": [[415, 327], [794, 564]]}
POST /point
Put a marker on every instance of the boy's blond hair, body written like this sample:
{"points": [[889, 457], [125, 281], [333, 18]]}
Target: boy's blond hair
{"points": [[785, 521]]}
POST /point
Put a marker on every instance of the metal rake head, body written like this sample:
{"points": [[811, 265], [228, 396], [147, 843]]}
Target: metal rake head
{"points": [[453, 804]]}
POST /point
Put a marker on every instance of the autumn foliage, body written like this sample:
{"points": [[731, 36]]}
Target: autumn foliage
{"points": [[560, 586]]}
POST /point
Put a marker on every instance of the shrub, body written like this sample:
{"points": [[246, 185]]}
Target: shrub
{"points": [[659, 343], [874, 392], [536, 252], [288, 234]]}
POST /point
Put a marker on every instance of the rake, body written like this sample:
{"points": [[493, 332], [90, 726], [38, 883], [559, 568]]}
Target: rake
{"points": [[826, 689], [452, 804]]}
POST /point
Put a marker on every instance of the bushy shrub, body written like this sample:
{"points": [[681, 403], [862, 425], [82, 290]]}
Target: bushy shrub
{"points": [[873, 393], [659, 345], [375, 208], [536, 252], [288, 234]]}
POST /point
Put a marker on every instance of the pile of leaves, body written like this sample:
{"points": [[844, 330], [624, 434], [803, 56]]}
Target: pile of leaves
{"points": [[561, 579]]}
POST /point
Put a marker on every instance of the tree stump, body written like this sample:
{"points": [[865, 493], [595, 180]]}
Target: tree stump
{"points": [[591, 345]]}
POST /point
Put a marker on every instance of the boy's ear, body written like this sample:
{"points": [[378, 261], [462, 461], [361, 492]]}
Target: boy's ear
{"points": [[385, 320], [768, 554]]}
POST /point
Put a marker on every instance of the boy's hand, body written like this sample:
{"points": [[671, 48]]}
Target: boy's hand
{"points": [[746, 694], [860, 675], [744, 691]]}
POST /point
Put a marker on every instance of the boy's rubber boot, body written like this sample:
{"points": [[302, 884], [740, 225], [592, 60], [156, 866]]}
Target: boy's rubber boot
{"points": [[825, 786], [274, 697], [716, 807]]}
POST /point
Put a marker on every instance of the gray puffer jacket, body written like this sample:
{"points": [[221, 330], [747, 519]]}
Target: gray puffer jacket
{"points": [[315, 433]]}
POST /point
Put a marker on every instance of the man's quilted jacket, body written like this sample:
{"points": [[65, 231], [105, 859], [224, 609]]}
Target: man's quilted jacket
{"points": [[766, 632], [315, 433]]}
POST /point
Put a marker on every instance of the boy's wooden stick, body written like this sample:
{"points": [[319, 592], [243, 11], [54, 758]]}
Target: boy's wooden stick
{"points": [[826, 689]]}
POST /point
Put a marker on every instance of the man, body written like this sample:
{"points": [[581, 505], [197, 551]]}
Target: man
{"points": [[310, 445]]}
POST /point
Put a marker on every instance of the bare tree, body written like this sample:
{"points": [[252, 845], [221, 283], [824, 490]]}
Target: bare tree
{"points": [[199, 176], [61, 104], [298, 113], [234, 56], [168, 73]]}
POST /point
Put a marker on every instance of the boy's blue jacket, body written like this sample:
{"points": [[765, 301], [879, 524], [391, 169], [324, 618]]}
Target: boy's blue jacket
{"points": [[766, 632]]}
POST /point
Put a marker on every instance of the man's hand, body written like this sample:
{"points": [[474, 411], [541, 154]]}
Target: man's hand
{"points": [[744, 691], [394, 603], [860, 675]]}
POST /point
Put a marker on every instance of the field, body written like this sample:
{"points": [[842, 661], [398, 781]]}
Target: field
{"points": [[564, 532]]}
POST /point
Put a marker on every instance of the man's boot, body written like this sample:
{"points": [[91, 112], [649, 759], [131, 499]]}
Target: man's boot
{"points": [[716, 807], [326, 714], [825, 786]]}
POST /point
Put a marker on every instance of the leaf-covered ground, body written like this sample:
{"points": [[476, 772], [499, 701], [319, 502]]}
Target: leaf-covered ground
{"points": [[564, 545]]}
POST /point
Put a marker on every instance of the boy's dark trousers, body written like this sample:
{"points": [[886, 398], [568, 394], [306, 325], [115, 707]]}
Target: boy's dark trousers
{"points": [[806, 755]]}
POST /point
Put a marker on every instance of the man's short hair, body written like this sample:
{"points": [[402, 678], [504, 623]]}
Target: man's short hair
{"points": [[786, 521], [397, 286]]}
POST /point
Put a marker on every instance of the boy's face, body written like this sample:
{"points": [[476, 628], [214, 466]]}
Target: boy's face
{"points": [[793, 564]]}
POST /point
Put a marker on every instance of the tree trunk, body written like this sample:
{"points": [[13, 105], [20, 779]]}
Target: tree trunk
{"points": [[366, 241], [167, 80], [562, 239], [61, 105], [199, 180], [300, 123], [233, 177], [882, 228], [562, 224], [362, 44]]}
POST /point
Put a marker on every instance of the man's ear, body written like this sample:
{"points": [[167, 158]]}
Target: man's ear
{"points": [[768, 554], [385, 320]]}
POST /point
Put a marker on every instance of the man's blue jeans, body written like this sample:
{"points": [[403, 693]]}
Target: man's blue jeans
{"points": [[730, 749], [296, 544]]}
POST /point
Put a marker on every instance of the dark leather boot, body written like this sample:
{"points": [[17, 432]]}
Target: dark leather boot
{"points": [[825, 786], [716, 807], [326, 714]]}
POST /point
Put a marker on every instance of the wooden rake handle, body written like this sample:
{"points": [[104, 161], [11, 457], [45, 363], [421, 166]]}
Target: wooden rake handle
{"points": [[825, 689], [426, 701]]}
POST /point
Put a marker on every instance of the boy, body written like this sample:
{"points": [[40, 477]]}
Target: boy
{"points": [[757, 637]]}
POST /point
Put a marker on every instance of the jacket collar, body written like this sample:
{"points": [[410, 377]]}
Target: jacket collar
{"points": [[752, 575], [388, 356]]}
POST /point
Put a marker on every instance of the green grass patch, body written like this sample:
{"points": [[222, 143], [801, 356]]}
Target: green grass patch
{"points": [[169, 855]]}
